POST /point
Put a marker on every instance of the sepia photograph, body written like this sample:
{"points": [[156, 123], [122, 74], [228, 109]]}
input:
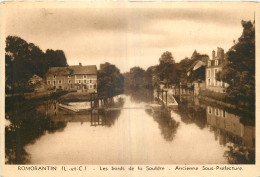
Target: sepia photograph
{"points": [[129, 85]]}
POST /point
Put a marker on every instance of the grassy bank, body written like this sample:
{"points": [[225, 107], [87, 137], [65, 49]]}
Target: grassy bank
{"points": [[75, 97], [223, 99], [20, 103]]}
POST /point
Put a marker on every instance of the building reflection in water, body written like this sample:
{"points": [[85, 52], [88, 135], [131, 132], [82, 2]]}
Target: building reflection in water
{"points": [[230, 132]]}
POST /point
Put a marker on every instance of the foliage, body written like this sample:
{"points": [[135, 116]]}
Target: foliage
{"points": [[138, 78], [166, 66], [23, 60], [110, 80], [239, 67]]}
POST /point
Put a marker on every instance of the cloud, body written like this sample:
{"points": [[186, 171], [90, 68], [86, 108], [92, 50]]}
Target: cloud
{"points": [[127, 36]]}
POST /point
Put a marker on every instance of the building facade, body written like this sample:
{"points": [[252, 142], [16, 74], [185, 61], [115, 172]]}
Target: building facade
{"points": [[214, 65], [78, 78]]}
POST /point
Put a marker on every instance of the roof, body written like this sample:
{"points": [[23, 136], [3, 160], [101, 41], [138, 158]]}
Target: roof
{"points": [[72, 70], [59, 71], [89, 69], [196, 65]]}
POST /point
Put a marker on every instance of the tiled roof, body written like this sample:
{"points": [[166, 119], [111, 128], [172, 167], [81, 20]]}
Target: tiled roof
{"points": [[89, 69], [70, 70]]}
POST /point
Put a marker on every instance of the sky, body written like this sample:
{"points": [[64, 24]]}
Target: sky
{"points": [[127, 37]]}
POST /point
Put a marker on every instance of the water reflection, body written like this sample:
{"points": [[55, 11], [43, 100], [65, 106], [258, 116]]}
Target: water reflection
{"points": [[234, 131], [141, 95], [230, 132], [131, 136], [167, 124], [24, 128]]}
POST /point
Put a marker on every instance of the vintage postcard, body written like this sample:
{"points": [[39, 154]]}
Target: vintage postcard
{"points": [[129, 89]]}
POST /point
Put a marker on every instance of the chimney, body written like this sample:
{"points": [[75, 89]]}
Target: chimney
{"points": [[80, 64], [213, 54], [220, 53]]}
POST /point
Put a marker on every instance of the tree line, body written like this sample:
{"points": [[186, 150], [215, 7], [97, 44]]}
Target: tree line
{"points": [[23, 60], [239, 66], [238, 69], [166, 72]]}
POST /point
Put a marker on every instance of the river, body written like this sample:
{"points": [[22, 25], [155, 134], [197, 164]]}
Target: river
{"points": [[196, 133]]}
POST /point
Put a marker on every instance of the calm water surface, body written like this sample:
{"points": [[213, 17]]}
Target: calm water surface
{"points": [[195, 134]]}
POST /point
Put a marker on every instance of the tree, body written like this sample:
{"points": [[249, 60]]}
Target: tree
{"points": [[23, 60], [136, 77], [239, 67], [55, 58], [110, 80], [166, 66]]}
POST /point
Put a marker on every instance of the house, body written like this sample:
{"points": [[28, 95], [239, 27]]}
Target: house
{"points": [[75, 78], [214, 65]]}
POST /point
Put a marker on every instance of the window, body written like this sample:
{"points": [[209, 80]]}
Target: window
{"points": [[90, 81], [217, 112], [215, 72], [59, 82], [95, 86], [85, 81], [216, 62], [209, 110], [69, 76], [208, 81], [54, 82], [90, 86], [85, 87], [54, 76], [79, 81], [223, 114], [84, 76], [49, 82], [71, 85], [209, 63], [208, 72], [69, 81]]}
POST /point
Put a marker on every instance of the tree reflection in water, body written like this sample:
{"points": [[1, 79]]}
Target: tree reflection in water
{"points": [[25, 128], [167, 125], [191, 113], [141, 95]]}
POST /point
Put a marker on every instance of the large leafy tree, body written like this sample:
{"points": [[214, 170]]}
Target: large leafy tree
{"points": [[110, 80], [136, 77], [239, 67], [166, 66], [23, 60]]}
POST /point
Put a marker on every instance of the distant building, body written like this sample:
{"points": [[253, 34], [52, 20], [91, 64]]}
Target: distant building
{"points": [[214, 65], [79, 78]]}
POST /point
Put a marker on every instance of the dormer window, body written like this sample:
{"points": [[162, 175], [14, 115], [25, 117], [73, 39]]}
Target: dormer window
{"points": [[54, 76], [216, 62], [209, 63], [69, 76], [84, 76]]}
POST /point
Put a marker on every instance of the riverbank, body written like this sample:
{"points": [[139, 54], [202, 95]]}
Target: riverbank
{"points": [[229, 102], [75, 97], [21, 103], [230, 107]]}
